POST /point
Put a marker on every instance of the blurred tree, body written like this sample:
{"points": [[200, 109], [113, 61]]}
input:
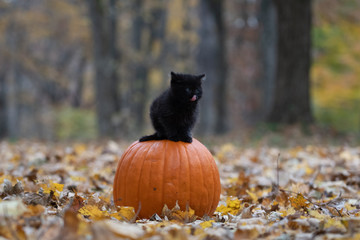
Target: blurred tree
{"points": [[148, 39], [15, 38], [335, 72], [268, 53], [211, 59], [102, 14], [3, 124], [76, 89], [38, 55], [181, 36], [291, 90]]}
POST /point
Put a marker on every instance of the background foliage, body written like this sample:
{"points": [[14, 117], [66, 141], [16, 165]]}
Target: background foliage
{"points": [[47, 65], [335, 71]]}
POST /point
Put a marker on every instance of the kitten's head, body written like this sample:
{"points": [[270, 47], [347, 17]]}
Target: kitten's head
{"points": [[187, 87]]}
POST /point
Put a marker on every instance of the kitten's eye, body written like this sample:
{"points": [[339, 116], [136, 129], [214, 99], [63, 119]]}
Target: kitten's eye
{"points": [[187, 90]]}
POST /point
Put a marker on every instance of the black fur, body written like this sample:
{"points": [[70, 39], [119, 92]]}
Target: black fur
{"points": [[174, 112]]}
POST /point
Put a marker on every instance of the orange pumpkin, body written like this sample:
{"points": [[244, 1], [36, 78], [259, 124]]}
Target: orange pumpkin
{"points": [[153, 173]]}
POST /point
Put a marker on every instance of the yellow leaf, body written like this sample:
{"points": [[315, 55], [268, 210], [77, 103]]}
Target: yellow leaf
{"points": [[334, 223], [184, 215], [299, 201], [232, 206], [288, 211], [56, 186], [316, 214], [93, 212], [253, 196], [52, 186], [207, 224], [124, 213]]}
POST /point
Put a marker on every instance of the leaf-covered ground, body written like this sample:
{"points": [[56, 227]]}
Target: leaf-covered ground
{"points": [[57, 191]]}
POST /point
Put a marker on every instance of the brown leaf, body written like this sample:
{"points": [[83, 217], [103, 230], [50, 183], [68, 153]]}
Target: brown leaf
{"points": [[71, 223], [76, 203], [299, 201], [32, 175], [10, 190], [247, 211], [35, 199], [176, 214], [246, 232]]}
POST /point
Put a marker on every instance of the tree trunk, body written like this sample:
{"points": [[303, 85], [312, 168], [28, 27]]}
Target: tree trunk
{"points": [[76, 91], [148, 27], [3, 122], [211, 60], [104, 26], [291, 102], [140, 82], [268, 52], [13, 42]]}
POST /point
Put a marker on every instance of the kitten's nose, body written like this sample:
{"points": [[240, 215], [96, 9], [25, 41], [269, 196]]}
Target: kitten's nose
{"points": [[193, 98]]}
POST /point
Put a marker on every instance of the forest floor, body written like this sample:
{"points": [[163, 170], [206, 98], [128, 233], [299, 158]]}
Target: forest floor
{"points": [[64, 191]]}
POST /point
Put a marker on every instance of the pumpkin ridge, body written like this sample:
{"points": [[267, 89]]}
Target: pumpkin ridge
{"points": [[214, 192], [189, 173], [214, 172], [202, 173], [122, 162], [141, 171], [196, 176], [188, 178], [215, 183], [139, 151], [201, 170], [211, 163], [117, 176], [178, 188], [163, 173]]}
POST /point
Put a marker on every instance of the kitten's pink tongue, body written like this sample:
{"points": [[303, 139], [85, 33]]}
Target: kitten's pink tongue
{"points": [[193, 98]]}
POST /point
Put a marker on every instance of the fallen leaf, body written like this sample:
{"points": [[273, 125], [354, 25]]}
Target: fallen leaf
{"points": [[118, 229], [93, 212], [124, 213], [232, 206], [12, 208], [299, 201], [207, 224]]}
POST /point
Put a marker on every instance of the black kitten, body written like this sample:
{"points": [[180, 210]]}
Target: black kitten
{"points": [[174, 112]]}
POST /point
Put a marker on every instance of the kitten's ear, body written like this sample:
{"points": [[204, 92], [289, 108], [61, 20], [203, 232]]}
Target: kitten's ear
{"points": [[202, 77], [174, 77]]}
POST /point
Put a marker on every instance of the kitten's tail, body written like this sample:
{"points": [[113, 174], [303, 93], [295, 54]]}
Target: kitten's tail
{"points": [[154, 136]]}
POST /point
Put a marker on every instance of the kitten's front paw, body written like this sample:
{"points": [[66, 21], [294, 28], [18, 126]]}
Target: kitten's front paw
{"points": [[186, 139], [174, 139], [189, 141]]}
